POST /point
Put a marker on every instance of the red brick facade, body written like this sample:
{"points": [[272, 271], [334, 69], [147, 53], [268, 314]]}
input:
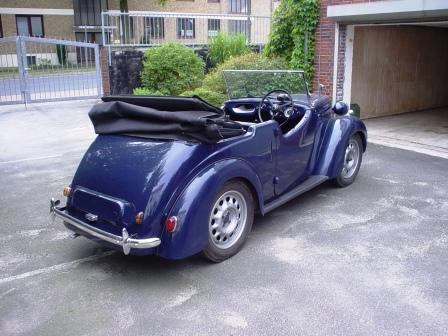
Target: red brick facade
{"points": [[323, 60], [104, 61]]}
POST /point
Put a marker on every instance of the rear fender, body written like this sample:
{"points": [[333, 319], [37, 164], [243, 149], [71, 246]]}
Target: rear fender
{"points": [[332, 151], [193, 205]]}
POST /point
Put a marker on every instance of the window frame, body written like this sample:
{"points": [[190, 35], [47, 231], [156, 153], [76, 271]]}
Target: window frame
{"points": [[218, 26], [237, 27], [150, 23], [236, 6], [179, 28], [30, 26], [89, 13]]}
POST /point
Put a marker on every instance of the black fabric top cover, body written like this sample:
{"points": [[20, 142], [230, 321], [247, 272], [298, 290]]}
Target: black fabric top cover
{"points": [[167, 103], [207, 123]]}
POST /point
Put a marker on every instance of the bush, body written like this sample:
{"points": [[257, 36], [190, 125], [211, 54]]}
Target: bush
{"points": [[171, 69], [214, 81], [223, 46], [61, 52], [214, 98], [213, 88], [141, 91]]}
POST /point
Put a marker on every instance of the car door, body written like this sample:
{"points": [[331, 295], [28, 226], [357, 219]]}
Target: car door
{"points": [[293, 152]]}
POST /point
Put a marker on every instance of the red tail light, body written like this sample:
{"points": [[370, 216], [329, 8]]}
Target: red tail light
{"points": [[139, 218], [171, 224]]}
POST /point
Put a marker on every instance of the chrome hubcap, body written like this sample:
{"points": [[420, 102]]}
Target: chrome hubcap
{"points": [[351, 159], [227, 219]]}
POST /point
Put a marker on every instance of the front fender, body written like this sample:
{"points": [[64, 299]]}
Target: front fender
{"points": [[193, 205], [332, 151]]}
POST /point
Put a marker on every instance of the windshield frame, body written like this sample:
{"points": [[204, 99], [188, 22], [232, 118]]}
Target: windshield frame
{"points": [[299, 72]]}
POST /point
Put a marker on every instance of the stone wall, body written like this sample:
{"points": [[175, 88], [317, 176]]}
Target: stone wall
{"points": [[124, 71]]}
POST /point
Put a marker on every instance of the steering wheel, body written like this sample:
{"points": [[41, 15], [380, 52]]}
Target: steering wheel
{"points": [[275, 109]]}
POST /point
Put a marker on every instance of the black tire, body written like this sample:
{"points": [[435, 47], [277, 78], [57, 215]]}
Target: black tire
{"points": [[343, 179], [224, 215]]}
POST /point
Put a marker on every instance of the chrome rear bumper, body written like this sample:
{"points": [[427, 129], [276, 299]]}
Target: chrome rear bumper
{"points": [[124, 240]]}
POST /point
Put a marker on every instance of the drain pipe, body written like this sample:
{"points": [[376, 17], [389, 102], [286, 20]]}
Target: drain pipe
{"points": [[335, 60]]}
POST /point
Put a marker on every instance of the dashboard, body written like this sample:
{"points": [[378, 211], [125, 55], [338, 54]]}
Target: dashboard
{"points": [[246, 110]]}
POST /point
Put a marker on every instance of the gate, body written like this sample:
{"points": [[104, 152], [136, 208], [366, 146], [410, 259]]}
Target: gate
{"points": [[34, 69]]}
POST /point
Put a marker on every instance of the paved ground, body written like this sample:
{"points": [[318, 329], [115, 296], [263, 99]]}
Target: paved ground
{"points": [[50, 86], [424, 132], [370, 259]]}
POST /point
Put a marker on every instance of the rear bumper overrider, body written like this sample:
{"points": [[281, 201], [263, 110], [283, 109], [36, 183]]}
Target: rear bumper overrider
{"points": [[126, 242]]}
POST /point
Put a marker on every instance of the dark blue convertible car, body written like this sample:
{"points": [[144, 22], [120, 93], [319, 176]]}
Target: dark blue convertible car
{"points": [[175, 176]]}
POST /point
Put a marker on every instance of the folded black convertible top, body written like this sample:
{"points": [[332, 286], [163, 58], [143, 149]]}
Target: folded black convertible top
{"points": [[166, 117]]}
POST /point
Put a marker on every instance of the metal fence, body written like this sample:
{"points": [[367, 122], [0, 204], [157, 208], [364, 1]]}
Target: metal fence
{"points": [[36, 69], [140, 29]]}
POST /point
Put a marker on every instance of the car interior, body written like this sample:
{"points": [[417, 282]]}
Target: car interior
{"points": [[286, 110]]}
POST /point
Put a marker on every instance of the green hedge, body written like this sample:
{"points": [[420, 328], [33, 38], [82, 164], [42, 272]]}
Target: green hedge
{"points": [[214, 98], [214, 81], [170, 69], [213, 87], [174, 69], [223, 46]]}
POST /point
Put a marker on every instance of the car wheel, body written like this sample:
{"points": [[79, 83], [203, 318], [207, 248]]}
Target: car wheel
{"points": [[229, 221], [352, 162]]}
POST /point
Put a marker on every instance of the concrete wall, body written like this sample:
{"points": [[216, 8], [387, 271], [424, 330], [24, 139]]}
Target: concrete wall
{"points": [[399, 69]]}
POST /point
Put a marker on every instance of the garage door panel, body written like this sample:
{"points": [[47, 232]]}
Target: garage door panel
{"points": [[399, 69]]}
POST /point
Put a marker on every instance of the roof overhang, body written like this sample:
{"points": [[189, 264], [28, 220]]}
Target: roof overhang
{"points": [[390, 11]]}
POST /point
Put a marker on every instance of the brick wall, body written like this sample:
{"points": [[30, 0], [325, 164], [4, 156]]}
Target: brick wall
{"points": [[323, 59], [104, 63]]}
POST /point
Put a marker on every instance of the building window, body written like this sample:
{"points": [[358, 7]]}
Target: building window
{"points": [[214, 26], [186, 27], [237, 27], [213, 1], [1, 27], [90, 37], [30, 25], [88, 12], [155, 27], [238, 6]]}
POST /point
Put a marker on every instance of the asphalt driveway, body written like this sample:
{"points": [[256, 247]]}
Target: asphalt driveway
{"points": [[371, 259]]}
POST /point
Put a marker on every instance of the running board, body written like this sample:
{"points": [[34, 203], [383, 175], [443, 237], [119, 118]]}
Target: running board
{"points": [[307, 185]]}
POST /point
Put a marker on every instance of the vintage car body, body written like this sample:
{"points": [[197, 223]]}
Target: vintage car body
{"points": [[121, 175]]}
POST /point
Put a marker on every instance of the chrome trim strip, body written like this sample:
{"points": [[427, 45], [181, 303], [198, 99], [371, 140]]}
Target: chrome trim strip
{"points": [[125, 241], [308, 184]]}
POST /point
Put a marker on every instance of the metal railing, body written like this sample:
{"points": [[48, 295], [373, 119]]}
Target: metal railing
{"points": [[143, 29], [34, 69]]}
